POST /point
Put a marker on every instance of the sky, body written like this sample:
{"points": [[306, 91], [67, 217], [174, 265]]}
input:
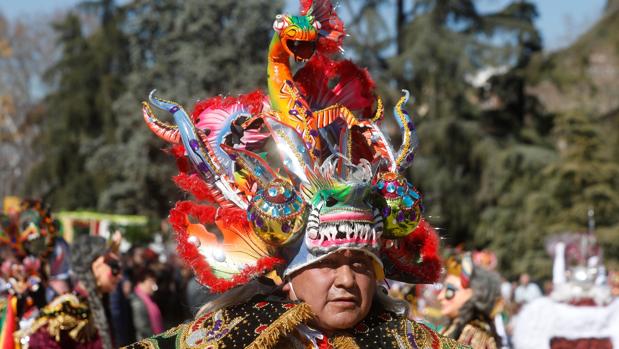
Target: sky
{"points": [[560, 21]]}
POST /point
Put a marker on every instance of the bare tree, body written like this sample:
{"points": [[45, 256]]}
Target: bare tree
{"points": [[26, 50]]}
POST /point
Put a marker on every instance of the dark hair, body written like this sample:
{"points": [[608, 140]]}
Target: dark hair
{"points": [[144, 273], [85, 250], [486, 286]]}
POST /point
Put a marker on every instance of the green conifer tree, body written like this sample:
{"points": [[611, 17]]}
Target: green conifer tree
{"points": [[439, 46], [187, 50], [72, 120], [84, 83]]}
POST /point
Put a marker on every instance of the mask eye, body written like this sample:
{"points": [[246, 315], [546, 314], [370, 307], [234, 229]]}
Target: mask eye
{"points": [[279, 23], [317, 25], [331, 201]]}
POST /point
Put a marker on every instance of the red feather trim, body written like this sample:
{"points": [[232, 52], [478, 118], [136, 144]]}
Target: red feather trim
{"points": [[305, 6], [219, 285], [178, 151], [206, 215], [182, 162], [332, 28], [194, 185], [233, 216], [354, 88], [423, 244], [253, 101], [188, 180]]}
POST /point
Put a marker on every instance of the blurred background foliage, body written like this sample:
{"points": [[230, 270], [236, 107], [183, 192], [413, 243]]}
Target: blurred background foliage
{"points": [[516, 144]]}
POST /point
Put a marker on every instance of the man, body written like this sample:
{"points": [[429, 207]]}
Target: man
{"points": [[332, 303], [298, 247], [339, 289]]}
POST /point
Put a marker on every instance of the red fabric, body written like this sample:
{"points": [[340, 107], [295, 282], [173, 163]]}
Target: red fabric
{"points": [[583, 302], [362, 149], [581, 343], [9, 326], [41, 339], [323, 343]]}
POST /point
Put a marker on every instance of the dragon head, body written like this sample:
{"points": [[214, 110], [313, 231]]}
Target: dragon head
{"points": [[342, 215], [298, 35]]}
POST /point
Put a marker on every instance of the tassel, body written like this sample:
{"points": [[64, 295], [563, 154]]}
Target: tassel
{"points": [[344, 342], [282, 327]]}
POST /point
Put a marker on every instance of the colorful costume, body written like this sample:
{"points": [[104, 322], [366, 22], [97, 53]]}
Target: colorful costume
{"points": [[64, 323], [271, 323], [70, 320], [28, 234], [338, 185], [474, 323]]}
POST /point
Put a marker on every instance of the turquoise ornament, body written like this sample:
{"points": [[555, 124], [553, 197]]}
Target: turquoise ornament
{"points": [[403, 205]]}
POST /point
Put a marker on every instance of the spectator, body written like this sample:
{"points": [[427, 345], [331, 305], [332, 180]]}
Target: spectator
{"points": [[526, 290], [79, 319], [120, 309], [147, 318]]}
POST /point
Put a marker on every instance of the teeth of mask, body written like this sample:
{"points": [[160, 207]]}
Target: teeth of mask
{"points": [[365, 230], [346, 229], [355, 230], [330, 232]]}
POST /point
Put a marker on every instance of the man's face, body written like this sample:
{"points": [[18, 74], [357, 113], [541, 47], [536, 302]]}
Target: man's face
{"points": [[107, 272], [453, 296], [339, 289]]}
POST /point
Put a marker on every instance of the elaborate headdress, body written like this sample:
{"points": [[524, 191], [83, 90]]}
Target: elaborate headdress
{"points": [[460, 266], [29, 228], [338, 182]]}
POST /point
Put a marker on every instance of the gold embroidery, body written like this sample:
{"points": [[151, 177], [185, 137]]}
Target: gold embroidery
{"points": [[197, 336], [281, 327], [64, 314], [173, 331], [423, 337], [477, 337], [344, 342], [145, 344]]}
